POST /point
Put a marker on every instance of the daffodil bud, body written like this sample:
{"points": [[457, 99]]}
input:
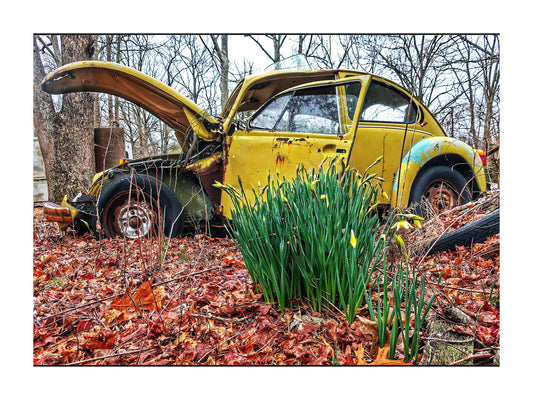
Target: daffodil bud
{"points": [[401, 245], [353, 240], [312, 189], [412, 216]]}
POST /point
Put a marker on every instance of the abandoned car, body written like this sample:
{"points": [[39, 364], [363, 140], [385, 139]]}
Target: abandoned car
{"points": [[296, 117]]}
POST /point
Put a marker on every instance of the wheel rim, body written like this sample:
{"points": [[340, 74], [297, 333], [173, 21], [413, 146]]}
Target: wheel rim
{"points": [[442, 196], [129, 217]]}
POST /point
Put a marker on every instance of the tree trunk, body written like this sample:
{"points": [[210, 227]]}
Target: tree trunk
{"points": [[221, 51], [224, 71], [66, 137]]}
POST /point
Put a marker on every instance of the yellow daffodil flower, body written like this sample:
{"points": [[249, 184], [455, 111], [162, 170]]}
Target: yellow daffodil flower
{"points": [[402, 225]]}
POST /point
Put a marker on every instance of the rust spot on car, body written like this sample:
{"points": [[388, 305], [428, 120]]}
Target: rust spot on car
{"points": [[280, 160]]}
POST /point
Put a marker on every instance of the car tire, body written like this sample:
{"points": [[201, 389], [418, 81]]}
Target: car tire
{"points": [[139, 206], [475, 232], [439, 189]]}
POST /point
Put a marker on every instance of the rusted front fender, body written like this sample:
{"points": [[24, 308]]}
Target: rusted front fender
{"points": [[440, 150]]}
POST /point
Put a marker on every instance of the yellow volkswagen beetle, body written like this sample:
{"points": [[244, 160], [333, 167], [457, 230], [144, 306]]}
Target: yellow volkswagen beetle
{"points": [[297, 117]]}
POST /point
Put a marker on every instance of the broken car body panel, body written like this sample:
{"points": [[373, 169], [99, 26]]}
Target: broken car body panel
{"points": [[161, 100]]}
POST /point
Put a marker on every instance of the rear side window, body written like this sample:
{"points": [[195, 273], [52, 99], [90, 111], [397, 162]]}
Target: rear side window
{"points": [[384, 103], [314, 110]]}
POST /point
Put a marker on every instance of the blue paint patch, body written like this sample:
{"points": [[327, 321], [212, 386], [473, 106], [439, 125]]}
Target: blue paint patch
{"points": [[420, 151]]}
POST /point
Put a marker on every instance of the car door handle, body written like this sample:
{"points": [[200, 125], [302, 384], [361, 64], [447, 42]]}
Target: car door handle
{"points": [[331, 148]]}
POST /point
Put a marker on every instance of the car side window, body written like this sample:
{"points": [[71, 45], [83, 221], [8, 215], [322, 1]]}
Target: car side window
{"points": [[269, 115], [313, 110], [384, 103]]}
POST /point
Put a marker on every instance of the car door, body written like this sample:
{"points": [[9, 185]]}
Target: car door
{"points": [[389, 124], [303, 125]]}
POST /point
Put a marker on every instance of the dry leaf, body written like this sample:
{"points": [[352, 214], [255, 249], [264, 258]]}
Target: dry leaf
{"points": [[381, 357], [371, 328]]}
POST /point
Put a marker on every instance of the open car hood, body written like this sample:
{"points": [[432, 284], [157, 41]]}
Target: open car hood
{"points": [[161, 100]]}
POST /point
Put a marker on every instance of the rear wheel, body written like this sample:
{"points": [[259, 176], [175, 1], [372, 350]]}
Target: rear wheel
{"points": [[140, 206], [439, 189]]}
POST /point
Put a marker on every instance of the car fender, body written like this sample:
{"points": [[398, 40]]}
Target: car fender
{"points": [[440, 150]]}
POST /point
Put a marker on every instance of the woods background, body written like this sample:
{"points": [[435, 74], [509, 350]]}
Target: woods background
{"points": [[456, 76]]}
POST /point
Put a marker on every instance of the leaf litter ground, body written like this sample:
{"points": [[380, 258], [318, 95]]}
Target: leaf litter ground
{"points": [[190, 301]]}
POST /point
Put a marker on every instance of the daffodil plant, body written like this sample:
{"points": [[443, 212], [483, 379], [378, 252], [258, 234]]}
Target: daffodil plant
{"points": [[407, 293], [314, 238]]}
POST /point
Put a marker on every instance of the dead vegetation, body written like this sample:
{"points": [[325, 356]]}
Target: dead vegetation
{"points": [[190, 301]]}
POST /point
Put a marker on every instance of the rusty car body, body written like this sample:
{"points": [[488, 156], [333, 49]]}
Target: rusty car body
{"points": [[297, 118]]}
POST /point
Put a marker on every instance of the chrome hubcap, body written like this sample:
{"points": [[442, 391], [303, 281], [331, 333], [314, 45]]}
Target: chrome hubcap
{"points": [[135, 220]]}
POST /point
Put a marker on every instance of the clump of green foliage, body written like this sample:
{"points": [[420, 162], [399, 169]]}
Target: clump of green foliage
{"points": [[316, 238], [407, 292]]}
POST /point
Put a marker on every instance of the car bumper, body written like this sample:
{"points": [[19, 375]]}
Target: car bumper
{"points": [[64, 214]]}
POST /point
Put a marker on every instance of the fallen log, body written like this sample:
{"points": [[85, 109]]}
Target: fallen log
{"points": [[444, 347]]}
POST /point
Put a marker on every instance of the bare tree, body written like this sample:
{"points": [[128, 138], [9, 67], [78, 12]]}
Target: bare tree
{"points": [[189, 69], [416, 61], [139, 52], [221, 51], [330, 51], [111, 47], [277, 42], [489, 62], [66, 137], [462, 115]]}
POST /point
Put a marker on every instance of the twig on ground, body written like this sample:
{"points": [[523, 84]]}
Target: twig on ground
{"points": [[122, 294], [110, 356], [472, 357]]}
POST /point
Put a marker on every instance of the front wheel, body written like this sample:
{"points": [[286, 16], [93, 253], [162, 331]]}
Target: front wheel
{"points": [[139, 206], [439, 189]]}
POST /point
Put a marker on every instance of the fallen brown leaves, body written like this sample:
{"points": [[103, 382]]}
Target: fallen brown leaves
{"points": [[470, 286], [113, 302], [190, 301]]}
